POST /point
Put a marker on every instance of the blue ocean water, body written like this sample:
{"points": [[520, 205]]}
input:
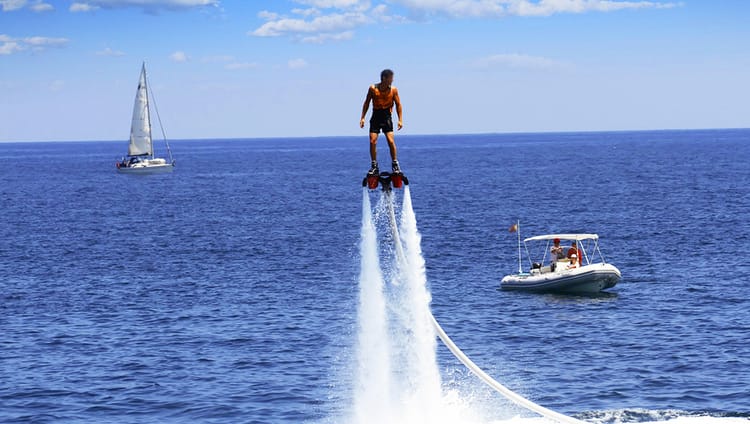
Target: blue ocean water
{"points": [[226, 292]]}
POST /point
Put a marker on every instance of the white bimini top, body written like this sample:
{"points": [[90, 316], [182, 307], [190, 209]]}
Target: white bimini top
{"points": [[577, 237]]}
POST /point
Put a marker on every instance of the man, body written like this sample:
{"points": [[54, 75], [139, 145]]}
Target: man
{"points": [[556, 252], [383, 97], [573, 251]]}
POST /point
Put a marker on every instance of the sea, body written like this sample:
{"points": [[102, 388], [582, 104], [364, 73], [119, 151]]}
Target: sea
{"points": [[232, 290]]}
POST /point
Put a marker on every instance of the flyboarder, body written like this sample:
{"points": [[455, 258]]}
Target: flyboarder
{"points": [[383, 96]]}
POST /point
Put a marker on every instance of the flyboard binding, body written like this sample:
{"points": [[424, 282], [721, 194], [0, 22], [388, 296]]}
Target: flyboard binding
{"points": [[386, 180]]}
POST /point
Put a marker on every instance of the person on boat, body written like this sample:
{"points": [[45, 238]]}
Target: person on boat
{"points": [[383, 97], [573, 262], [556, 252], [573, 251]]}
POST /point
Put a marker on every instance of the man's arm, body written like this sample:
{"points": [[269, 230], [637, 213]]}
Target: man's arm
{"points": [[397, 100], [365, 107]]}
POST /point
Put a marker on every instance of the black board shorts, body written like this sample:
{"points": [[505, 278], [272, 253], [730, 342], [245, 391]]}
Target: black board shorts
{"points": [[381, 120]]}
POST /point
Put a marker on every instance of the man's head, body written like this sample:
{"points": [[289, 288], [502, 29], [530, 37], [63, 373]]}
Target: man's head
{"points": [[386, 76], [556, 241]]}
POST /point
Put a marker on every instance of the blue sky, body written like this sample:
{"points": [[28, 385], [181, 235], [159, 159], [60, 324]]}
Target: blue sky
{"points": [[225, 69]]}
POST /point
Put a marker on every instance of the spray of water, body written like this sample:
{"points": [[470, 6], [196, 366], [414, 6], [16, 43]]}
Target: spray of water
{"points": [[398, 375], [372, 402], [425, 397]]}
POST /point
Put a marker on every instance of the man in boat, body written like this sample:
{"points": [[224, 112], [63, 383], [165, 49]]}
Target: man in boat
{"points": [[556, 252], [573, 252], [573, 262], [383, 96]]}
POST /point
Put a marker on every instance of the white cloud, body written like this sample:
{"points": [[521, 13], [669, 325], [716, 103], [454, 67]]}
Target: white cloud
{"points": [[42, 42], [323, 20], [327, 23], [497, 8], [82, 7], [550, 7], [10, 45], [337, 4], [37, 6], [307, 12], [519, 61], [179, 57], [268, 16], [335, 20], [146, 5], [240, 66], [42, 7], [326, 37], [11, 5], [297, 64], [109, 52]]}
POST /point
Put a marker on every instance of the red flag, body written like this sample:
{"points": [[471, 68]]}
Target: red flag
{"points": [[513, 228]]}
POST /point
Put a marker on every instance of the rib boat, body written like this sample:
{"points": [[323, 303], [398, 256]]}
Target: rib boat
{"points": [[578, 272]]}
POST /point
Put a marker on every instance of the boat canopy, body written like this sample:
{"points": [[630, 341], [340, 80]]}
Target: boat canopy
{"points": [[577, 237]]}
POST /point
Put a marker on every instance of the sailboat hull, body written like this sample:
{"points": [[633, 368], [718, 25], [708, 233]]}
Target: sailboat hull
{"points": [[146, 168]]}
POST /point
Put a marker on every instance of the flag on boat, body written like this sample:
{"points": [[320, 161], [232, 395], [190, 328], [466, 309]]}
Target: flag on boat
{"points": [[513, 228]]}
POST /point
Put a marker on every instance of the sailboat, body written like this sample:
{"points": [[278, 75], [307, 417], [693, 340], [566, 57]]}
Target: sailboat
{"points": [[140, 158]]}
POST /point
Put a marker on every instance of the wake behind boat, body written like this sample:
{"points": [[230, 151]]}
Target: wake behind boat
{"points": [[571, 269], [141, 159]]}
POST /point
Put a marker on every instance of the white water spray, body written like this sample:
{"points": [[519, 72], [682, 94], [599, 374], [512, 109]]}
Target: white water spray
{"points": [[426, 397], [399, 380], [372, 402]]}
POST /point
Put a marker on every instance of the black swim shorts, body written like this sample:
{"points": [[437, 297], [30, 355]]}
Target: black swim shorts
{"points": [[381, 120]]}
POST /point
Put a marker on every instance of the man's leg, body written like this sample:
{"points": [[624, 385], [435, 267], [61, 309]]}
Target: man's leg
{"points": [[374, 146], [391, 145], [373, 154]]}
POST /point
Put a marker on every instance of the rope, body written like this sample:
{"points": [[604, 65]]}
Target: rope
{"points": [[163, 133], [506, 392]]}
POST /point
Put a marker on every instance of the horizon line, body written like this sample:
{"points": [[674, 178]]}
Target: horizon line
{"points": [[402, 136]]}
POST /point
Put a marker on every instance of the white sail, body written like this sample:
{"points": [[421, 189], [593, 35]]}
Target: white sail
{"points": [[140, 129]]}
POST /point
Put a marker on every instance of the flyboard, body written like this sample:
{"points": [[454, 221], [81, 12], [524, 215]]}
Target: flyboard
{"points": [[390, 180], [386, 180]]}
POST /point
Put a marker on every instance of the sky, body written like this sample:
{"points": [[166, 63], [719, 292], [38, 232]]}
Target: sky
{"points": [[301, 68]]}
